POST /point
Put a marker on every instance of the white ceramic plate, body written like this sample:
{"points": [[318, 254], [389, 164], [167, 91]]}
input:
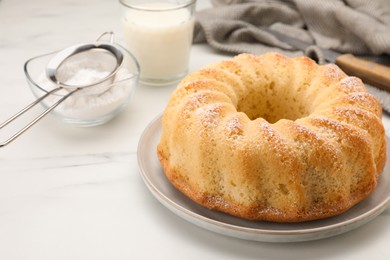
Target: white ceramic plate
{"points": [[225, 224]]}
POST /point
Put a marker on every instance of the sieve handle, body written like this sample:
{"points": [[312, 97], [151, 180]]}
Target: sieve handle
{"points": [[105, 33], [34, 121]]}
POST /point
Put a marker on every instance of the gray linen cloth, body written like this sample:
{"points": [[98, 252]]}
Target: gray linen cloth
{"points": [[361, 27]]}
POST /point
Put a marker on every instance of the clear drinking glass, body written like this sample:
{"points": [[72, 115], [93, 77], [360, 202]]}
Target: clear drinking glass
{"points": [[159, 34]]}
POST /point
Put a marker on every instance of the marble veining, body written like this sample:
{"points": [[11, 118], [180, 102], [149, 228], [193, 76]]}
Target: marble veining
{"points": [[49, 162]]}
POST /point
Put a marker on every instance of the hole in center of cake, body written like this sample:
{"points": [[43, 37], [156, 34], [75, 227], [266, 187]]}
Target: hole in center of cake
{"points": [[272, 104]]}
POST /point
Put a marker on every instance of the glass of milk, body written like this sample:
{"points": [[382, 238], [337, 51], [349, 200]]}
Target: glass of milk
{"points": [[159, 34]]}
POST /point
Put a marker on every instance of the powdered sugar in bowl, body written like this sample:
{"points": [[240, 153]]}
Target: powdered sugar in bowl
{"points": [[93, 105]]}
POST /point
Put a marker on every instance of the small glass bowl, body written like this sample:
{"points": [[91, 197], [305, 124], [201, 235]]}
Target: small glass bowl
{"points": [[90, 106]]}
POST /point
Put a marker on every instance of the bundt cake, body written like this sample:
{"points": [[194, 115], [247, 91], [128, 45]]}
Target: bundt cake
{"points": [[273, 138]]}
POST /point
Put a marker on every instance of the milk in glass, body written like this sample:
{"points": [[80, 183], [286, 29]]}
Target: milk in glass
{"points": [[159, 35]]}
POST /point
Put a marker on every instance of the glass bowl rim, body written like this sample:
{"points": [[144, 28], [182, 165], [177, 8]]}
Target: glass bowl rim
{"points": [[30, 79]]}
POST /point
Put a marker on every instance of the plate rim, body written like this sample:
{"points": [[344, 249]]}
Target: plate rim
{"points": [[186, 213]]}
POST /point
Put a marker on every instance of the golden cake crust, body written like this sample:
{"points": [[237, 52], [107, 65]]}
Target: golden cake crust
{"points": [[273, 138]]}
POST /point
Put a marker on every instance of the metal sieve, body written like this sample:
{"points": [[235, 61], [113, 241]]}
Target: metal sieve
{"points": [[96, 56]]}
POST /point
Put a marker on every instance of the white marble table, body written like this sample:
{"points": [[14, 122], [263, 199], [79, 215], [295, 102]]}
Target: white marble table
{"points": [[76, 193]]}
